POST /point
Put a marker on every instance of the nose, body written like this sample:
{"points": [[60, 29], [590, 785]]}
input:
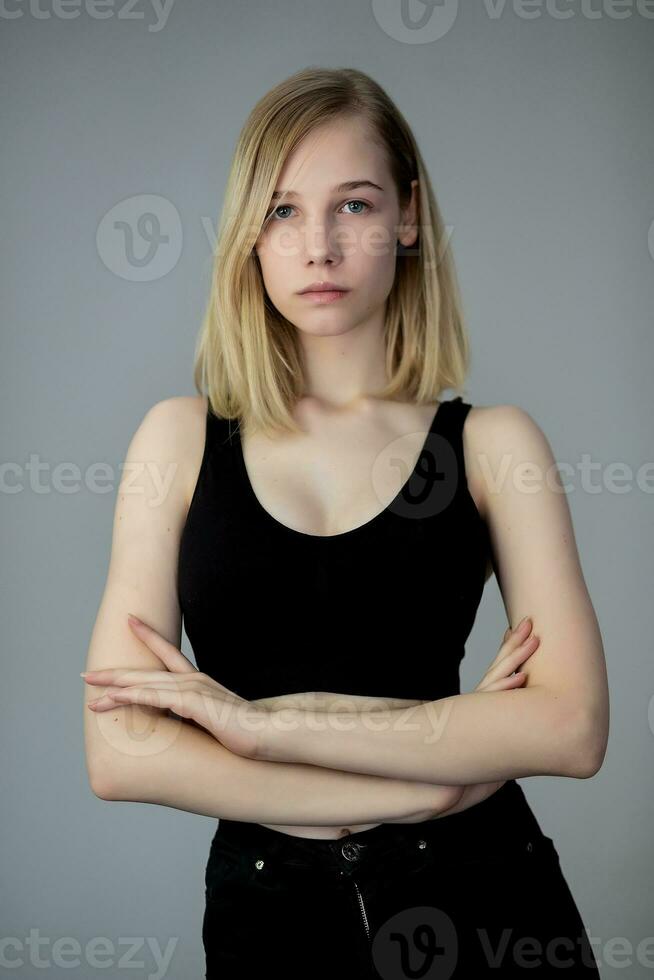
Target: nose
{"points": [[320, 241]]}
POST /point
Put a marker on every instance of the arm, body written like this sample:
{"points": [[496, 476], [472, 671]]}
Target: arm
{"points": [[467, 738], [471, 795], [558, 723], [467, 795], [187, 769], [137, 752]]}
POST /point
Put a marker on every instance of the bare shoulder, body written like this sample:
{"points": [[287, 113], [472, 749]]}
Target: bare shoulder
{"points": [[175, 431], [496, 439], [175, 418]]}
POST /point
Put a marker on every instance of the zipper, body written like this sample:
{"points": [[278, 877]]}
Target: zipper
{"points": [[363, 909]]}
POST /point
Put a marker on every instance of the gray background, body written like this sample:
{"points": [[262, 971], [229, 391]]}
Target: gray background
{"points": [[538, 136]]}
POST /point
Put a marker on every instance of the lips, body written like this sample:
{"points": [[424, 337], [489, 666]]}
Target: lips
{"points": [[322, 296], [324, 287]]}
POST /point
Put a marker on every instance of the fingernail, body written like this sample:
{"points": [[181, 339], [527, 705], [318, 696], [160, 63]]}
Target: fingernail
{"points": [[134, 619], [83, 674]]}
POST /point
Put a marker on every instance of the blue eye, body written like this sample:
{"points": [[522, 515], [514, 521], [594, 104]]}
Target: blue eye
{"points": [[280, 208], [357, 202], [287, 207]]}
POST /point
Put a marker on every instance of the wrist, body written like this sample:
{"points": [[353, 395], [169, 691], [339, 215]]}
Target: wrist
{"points": [[276, 737]]}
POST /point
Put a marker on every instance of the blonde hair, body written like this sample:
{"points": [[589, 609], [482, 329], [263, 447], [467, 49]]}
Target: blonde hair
{"points": [[248, 358]]}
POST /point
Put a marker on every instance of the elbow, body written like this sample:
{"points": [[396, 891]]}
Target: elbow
{"points": [[113, 748], [588, 742], [102, 790], [102, 784]]}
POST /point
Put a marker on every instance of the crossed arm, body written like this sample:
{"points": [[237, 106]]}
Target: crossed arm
{"points": [[338, 767], [468, 738]]}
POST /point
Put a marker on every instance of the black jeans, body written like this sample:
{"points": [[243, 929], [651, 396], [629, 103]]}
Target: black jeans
{"points": [[479, 893]]}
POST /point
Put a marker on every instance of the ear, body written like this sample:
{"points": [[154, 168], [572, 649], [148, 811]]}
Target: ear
{"points": [[408, 229]]}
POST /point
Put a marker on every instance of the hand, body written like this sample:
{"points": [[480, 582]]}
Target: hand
{"points": [[182, 690], [517, 645]]}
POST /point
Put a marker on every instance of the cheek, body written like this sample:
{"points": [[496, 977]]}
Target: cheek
{"points": [[376, 273], [280, 244], [274, 272]]}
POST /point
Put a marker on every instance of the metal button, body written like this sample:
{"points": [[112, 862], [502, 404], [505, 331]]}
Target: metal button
{"points": [[258, 864], [350, 851], [422, 844], [530, 846]]}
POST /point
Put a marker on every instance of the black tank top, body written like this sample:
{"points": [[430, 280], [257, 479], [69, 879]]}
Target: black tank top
{"points": [[382, 610]]}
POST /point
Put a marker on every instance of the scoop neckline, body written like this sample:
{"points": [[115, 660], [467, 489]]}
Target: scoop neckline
{"points": [[349, 532]]}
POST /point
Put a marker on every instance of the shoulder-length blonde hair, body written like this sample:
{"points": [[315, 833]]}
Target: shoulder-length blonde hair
{"points": [[248, 356]]}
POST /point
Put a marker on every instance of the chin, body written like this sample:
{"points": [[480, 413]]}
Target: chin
{"points": [[328, 327]]}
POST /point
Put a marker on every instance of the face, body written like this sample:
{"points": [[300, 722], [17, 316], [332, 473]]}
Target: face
{"points": [[344, 235]]}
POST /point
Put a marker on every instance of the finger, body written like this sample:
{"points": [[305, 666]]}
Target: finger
{"points": [[521, 630], [188, 702], [173, 658], [149, 696], [103, 703], [516, 637], [123, 676], [510, 680], [512, 660], [507, 683], [117, 695], [511, 639]]}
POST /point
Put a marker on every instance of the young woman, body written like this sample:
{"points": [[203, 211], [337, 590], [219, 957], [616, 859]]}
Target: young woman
{"points": [[328, 544]]}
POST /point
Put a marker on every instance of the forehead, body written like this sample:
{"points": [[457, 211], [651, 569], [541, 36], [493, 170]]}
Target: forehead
{"points": [[332, 154]]}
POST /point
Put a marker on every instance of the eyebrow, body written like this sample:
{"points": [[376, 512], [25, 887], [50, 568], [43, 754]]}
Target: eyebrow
{"points": [[348, 185]]}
